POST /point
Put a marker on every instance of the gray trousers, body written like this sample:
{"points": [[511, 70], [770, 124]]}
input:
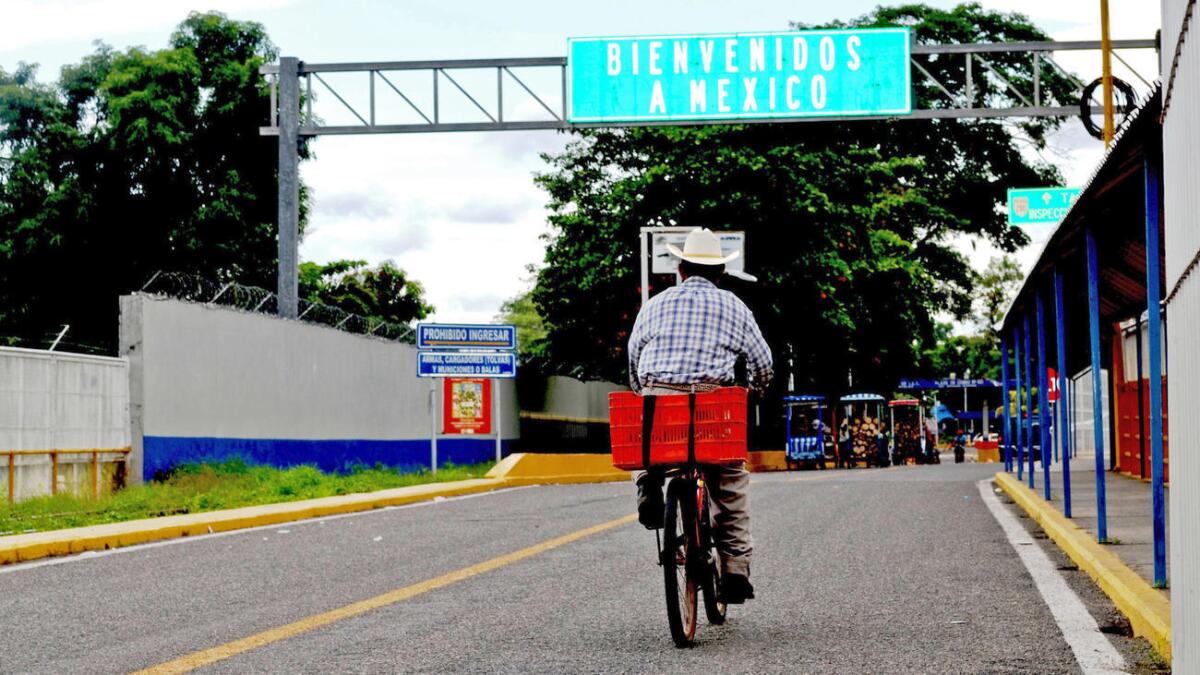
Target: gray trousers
{"points": [[731, 508]]}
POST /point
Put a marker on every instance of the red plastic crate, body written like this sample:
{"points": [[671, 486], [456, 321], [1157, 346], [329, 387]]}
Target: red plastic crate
{"points": [[720, 428]]}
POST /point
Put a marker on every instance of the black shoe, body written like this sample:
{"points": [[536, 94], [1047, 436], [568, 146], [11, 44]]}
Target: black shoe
{"points": [[650, 502], [735, 589]]}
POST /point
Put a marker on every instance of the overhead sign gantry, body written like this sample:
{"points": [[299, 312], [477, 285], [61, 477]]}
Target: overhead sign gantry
{"points": [[844, 75]]}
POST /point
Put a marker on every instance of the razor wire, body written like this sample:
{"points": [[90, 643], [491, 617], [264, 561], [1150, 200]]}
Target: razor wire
{"points": [[198, 289]]}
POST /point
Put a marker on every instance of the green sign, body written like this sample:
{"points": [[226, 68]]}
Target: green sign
{"points": [[739, 76], [1035, 206]]}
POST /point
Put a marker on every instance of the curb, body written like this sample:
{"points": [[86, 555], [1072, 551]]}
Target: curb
{"points": [[1147, 608], [25, 547], [515, 470]]}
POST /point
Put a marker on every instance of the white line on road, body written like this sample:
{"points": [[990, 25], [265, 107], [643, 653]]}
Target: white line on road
{"points": [[1092, 649], [92, 555]]}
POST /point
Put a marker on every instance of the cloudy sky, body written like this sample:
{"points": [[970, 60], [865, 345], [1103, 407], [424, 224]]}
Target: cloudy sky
{"points": [[460, 212]]}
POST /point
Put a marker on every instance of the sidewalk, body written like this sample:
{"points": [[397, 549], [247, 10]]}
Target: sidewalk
{"points": [[1123, 569], [1129, 510]]}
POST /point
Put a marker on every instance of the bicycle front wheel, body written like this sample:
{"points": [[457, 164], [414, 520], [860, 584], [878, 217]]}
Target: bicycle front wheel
{"points": [[679, 538]]}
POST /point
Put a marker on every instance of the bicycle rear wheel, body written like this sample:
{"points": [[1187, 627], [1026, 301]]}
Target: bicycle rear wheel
{"points": [[679, 539], [710, 589]]}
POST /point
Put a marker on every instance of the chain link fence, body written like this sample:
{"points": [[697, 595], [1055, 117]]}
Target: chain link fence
{"points": [[194, 288]]}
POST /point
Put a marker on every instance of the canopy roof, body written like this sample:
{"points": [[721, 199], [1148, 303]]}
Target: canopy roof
{"points": [[803, 398], [849, 398], [904, 402], [1112, 204]]}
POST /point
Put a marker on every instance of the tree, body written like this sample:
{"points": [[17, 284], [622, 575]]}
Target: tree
{"points": [[380, 293], [848, 224], [962, 354], [134, 161], [522, 312], [998, 284]]}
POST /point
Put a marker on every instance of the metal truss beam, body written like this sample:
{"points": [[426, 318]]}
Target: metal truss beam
{"points": [[960, 105]]}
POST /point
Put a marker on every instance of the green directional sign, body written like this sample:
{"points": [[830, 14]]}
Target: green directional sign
{"points": [[739, 76], [1035, 206]]}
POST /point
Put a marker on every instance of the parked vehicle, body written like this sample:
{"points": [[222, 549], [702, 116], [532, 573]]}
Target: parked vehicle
{"points": [[907, 416], [806, 431]]}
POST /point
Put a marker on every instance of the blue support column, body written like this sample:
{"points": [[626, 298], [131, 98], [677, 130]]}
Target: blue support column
{"points": [[1093, 282], [1007, 434], [1018, 433], [1043, 396], [1028, 417], [1154, 325], [1064, 432]]}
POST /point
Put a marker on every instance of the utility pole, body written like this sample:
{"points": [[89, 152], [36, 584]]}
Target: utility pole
{"points": [[1106, 62], [288, 291]]}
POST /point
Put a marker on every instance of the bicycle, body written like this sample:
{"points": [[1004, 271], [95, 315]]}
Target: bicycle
{"points": [[688, 556], [678, 437]]}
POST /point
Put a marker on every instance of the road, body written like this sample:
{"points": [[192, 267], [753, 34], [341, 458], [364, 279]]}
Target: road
{"points": [[885, 570]]}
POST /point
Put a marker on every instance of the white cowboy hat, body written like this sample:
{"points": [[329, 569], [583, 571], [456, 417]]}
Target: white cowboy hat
{"points": [[703, 248]]}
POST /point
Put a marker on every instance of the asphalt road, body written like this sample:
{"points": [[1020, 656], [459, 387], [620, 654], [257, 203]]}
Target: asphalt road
{"points": [[896, 570]]}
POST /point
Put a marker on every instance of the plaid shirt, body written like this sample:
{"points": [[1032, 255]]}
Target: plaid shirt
{"points": [[694, 333]]}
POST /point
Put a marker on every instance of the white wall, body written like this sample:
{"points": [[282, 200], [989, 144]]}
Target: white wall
{"points": [[1181, 205], [59, 401], [210, 382]]}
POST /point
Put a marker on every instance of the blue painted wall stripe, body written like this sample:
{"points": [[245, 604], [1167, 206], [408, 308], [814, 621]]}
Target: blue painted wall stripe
{"points": [[162, 453]]}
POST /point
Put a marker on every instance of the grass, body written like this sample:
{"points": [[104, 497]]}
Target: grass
{"points": [[195, 488]]}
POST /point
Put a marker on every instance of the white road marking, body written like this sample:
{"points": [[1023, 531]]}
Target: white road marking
{"points": [[1093, 651], [92, 555]]}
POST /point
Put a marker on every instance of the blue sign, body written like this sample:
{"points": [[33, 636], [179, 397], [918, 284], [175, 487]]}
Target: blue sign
{"points": [[946, 383], [465, 336], [466, 364], [740, 76]]}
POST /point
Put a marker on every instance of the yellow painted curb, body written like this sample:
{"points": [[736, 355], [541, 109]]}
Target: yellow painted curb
{"points": [[539, 469], [515, 470], [767, 460], [25, 547], [1147, 608], [987, 455]]}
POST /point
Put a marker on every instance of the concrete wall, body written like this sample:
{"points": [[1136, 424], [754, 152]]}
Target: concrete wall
{"points": [[54, 401], [1181, 206], [562, 414], [1083, 435], [212, 382]]}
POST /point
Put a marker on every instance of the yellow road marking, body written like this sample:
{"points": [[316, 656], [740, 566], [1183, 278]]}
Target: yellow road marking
{"points": [[204, 657]]}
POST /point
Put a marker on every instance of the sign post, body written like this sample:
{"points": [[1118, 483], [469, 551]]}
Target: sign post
{"points": [[468, 352], [658, 260]]}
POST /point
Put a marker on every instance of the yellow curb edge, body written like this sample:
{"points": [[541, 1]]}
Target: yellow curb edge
{"points": [[1147, 608], [563, 469]]}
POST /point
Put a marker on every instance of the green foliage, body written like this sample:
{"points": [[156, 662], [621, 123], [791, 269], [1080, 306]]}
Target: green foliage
{"points": [[193, 488], [960, 354], [134, 161], [522, 312], [849, 224], [998, 285], [380, 293]]}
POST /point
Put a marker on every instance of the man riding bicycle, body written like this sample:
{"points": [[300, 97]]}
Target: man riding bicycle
{"points": [[689, 338]]}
